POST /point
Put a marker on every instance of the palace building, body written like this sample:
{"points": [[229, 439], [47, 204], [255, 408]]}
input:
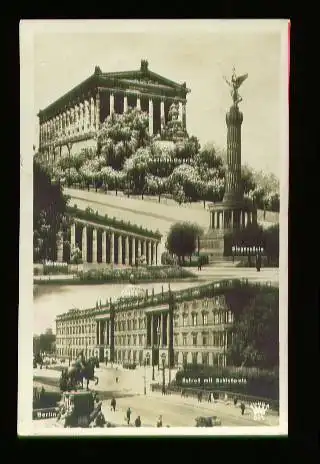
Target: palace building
{"points": [[72, 122], [188, 326]]}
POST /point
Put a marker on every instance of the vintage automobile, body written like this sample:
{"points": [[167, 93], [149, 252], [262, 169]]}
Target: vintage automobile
{"points": [[207, 421]]}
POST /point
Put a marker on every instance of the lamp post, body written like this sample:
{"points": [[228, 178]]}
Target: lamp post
{"points": [[163, 357], [145, 372]]}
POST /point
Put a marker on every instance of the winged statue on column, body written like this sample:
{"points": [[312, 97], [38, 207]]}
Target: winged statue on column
{"points": [[235, 83]]}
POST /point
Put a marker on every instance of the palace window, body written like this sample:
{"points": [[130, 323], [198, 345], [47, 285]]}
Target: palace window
{"points": [[205, 318], [205, 303], [205, 359], [134, 323], [140, 340], [129, 324], [134, 340], [194, 304], [176, 358], [185, 320], [176, 340], [184, 339], [194, 319], [204, 339], [185, 305], [185, 358], [129, 340], [230, 317], [194, 339], [176, 320], [194, 358]]}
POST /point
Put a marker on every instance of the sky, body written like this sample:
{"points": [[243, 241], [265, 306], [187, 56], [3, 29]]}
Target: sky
{"points": [[199, 56]]}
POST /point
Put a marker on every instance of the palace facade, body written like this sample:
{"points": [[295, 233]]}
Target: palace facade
{"points": [[72, 122], [189, 326]]}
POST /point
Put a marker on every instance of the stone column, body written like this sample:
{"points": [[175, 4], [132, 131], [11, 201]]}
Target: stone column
{"points": [[127, 254], [94, 245], [82, 118], [232, 219], [233, 191], [162, 115], [92, 113], [184, 116], [144, 248], [120, 250], [138, 103], [84, 244], [139, 248], [133, 254], [154, 249], [111, 98], [86, 116], [60, 248], [98, 332], [152, 331], [180, 110], [73, 237], [150, 116], [125, 103], [112, 248], [104, 246], [97, 111], [149, 253]]}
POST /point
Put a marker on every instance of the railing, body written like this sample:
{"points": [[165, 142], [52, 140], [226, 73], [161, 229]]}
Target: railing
{"points": [[203, 291]]}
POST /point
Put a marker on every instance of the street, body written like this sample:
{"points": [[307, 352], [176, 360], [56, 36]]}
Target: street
{"points": [[176, 411]]}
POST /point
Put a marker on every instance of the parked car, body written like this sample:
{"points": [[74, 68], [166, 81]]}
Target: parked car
{"points": [[207, 421]]}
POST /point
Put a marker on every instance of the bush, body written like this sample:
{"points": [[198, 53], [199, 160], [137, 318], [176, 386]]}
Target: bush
{"points": [[54, 269], [167, 258], [141, 274]]}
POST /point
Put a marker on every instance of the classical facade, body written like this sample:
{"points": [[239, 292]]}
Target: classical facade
{"points": [[105, 244], [189, 326], [72, 122]]}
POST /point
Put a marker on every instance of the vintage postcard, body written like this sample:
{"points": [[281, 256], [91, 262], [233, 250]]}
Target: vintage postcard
{"points": [[153, 243]]}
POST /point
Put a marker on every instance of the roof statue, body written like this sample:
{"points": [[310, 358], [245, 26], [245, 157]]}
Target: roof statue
{"points": [[236, 82], [97, 70], [144, 65]]}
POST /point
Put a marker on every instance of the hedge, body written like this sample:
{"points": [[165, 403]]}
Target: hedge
{"points": [[90, 215]]}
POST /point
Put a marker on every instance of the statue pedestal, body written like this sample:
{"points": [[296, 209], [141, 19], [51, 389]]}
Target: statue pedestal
{"points": [[224, 218]]}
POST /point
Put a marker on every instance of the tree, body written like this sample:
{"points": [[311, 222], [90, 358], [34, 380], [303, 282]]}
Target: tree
{"points": [[256, 332], [182, 239], [46, 341], [121, 135], [49, 214]]}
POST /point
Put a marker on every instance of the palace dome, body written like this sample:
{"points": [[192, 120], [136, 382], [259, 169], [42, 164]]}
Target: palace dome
{"points": [[131, 291]]}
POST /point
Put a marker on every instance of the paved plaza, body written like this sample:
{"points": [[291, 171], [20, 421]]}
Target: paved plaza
{"points": [[176, 411]]}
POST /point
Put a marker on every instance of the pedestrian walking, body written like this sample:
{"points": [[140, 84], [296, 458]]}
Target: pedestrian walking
{"points": [[128, 415], [159, 421], [242, 407], [137, 422], [113, 404], [235, 401], [199, 263], [209, 397]]}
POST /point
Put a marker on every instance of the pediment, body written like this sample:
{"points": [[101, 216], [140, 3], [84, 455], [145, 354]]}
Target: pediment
{"points": [[146, 80]]}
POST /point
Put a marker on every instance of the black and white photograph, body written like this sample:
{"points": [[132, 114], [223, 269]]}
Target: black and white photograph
{"points": [[153, 227]]}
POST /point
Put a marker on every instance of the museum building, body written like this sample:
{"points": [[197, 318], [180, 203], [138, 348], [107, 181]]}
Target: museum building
{"points": [[187, 326], [72, 122]]}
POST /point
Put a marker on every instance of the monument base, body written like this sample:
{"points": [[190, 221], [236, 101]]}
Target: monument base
{"points": [[225, 217]]}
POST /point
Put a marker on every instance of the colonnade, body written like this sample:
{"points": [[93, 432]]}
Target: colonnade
{"points": [[84, 116], [233, 219], [99, 244]]}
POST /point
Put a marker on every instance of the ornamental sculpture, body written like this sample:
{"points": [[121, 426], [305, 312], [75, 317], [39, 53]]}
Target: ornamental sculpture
{"points": [[235, 84]]}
